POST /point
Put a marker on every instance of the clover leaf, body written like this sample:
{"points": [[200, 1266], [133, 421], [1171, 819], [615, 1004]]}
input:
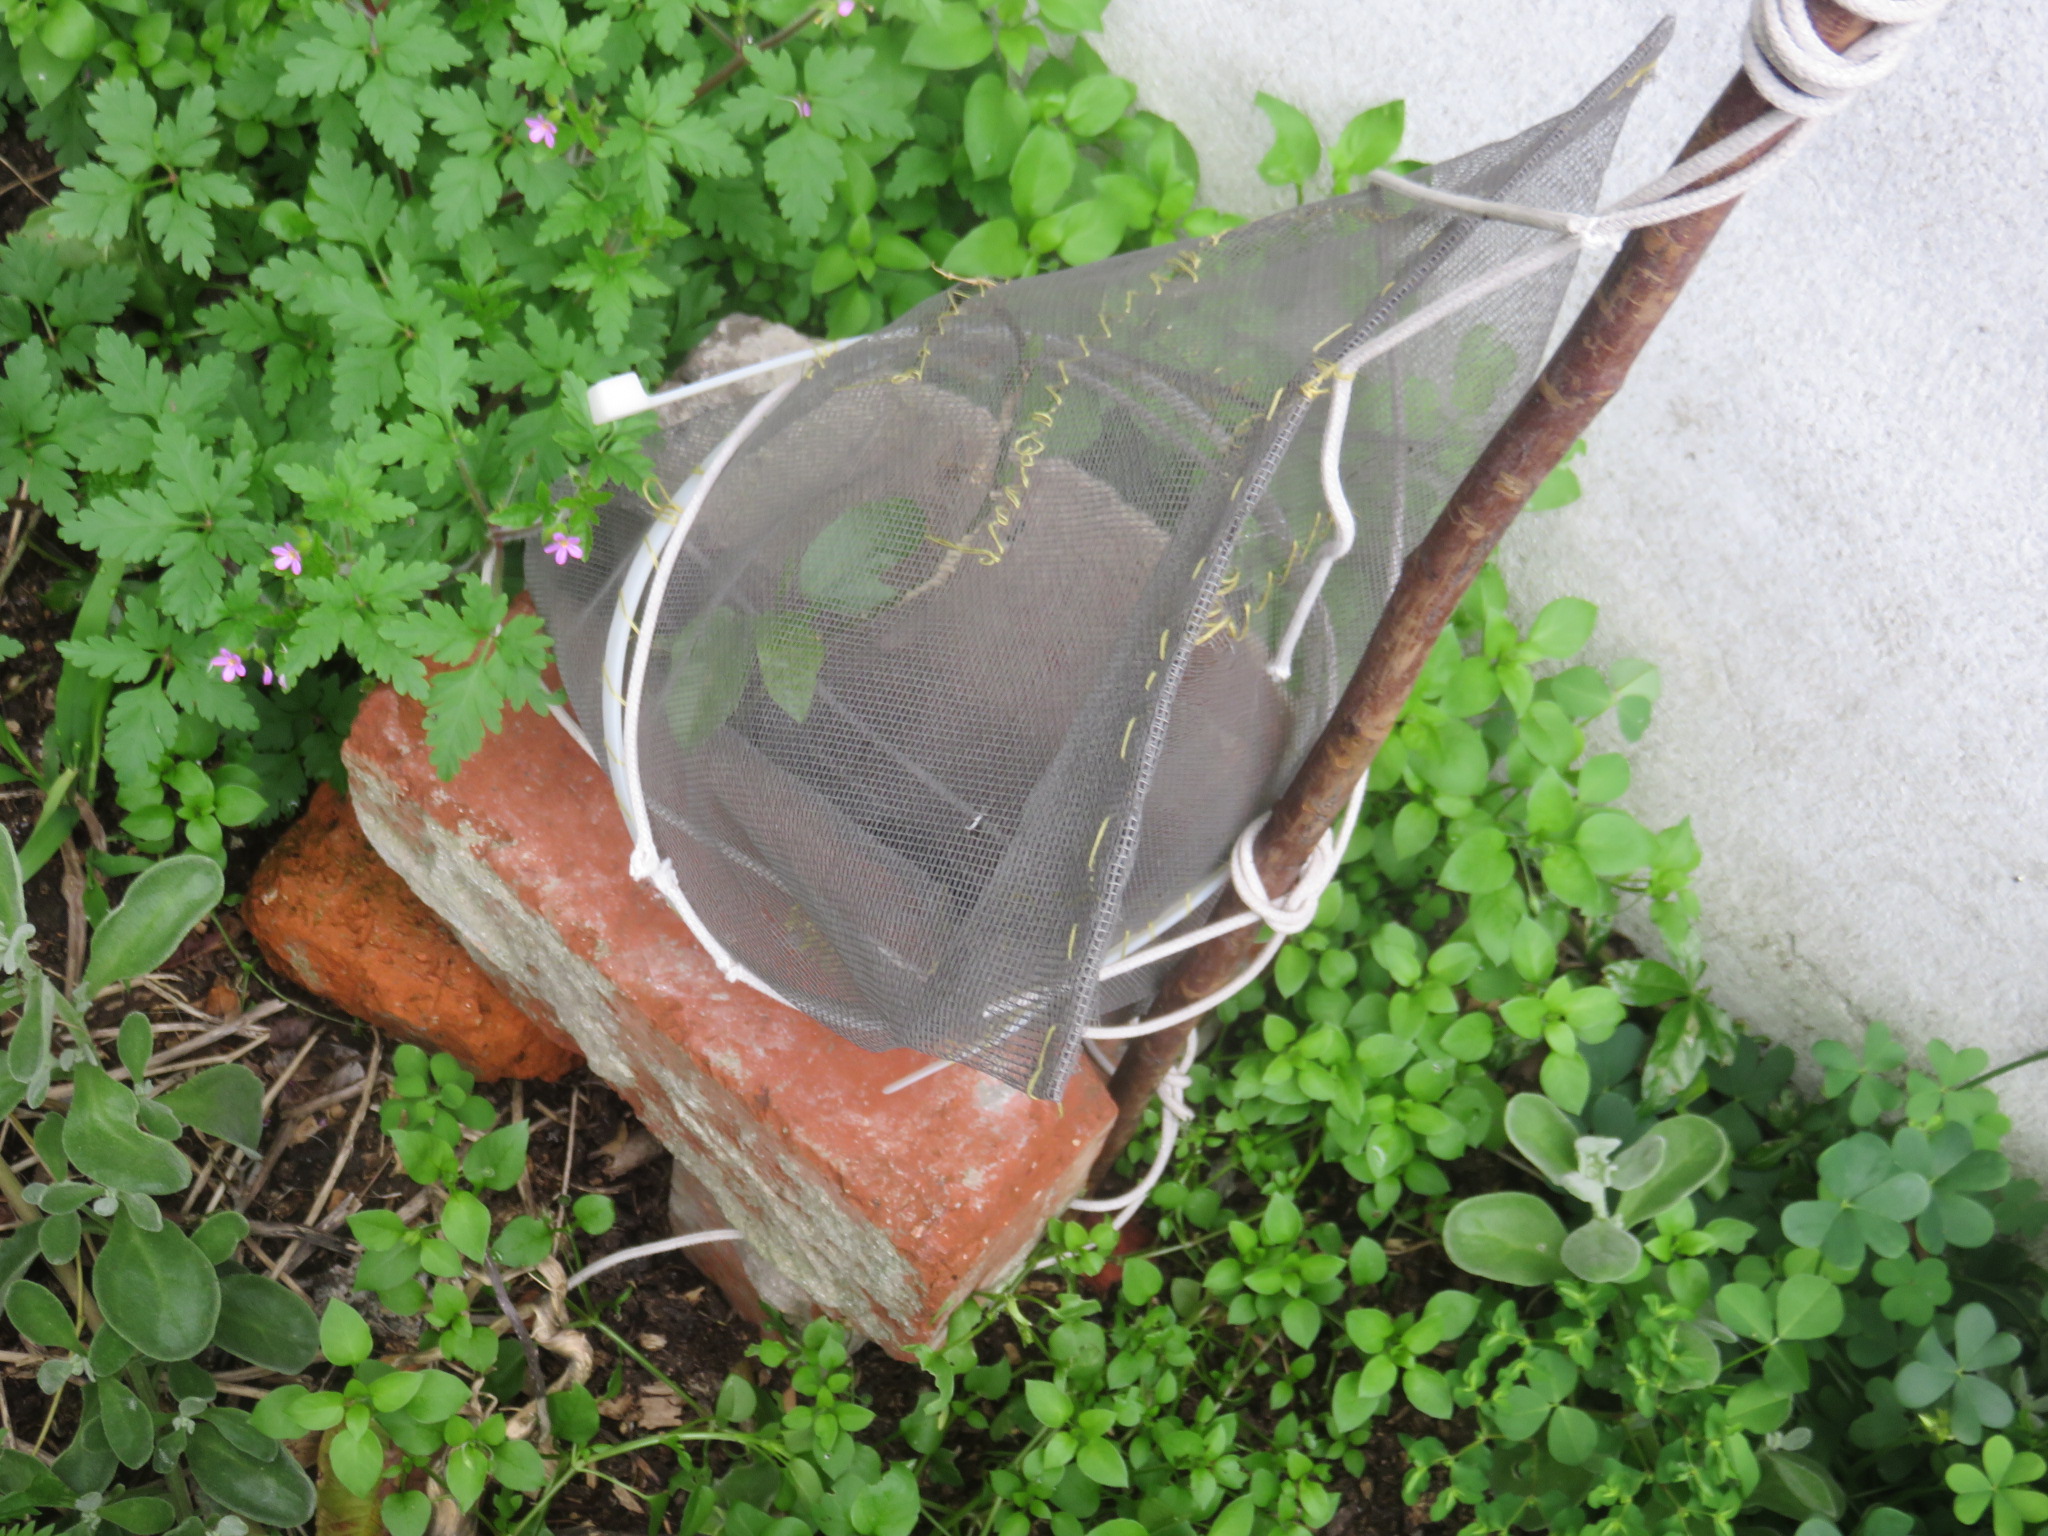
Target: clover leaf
{"points": [[1975, 1402], [1844, 1068], [1999, 1484], [1866, 1199], [1914, 1288], [1955, 1169]]}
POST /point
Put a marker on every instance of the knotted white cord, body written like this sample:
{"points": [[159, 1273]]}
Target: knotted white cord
{"points": [[1795, 70], [1286, 916], [1173, 1113]]}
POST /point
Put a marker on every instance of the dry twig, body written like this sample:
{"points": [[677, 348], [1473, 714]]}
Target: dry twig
{"points": [[569, 1146], [341, 1154], [292, 1068]]}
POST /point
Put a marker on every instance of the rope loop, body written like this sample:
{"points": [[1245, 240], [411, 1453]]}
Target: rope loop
{"points": [[1796, 71], [1293, 913], [1173, 1114]]}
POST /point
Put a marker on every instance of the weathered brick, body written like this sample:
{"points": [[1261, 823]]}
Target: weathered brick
{"points": [[884, 1211], [331, 915]]}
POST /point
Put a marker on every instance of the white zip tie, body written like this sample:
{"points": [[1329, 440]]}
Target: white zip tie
{"points": [[623, 395]]}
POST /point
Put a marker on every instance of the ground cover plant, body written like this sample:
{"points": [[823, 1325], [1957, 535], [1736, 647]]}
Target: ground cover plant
{"points": [[1793, 1313], [1486, 1222]]}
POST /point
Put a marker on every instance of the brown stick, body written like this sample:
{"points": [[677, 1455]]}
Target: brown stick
{"points": [[1581, 378]]}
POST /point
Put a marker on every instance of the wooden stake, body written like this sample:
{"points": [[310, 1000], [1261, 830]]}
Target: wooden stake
{"points": [[1580, 378]]}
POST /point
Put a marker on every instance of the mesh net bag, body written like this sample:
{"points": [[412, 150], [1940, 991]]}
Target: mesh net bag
{"points": [[943, 679]]}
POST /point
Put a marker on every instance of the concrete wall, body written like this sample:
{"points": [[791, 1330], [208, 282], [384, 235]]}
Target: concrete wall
{"points": [[1818, 505]]}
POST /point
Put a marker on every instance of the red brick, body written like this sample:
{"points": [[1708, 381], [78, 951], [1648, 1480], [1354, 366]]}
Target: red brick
{"points": [[331, 915], [885, 1211]]}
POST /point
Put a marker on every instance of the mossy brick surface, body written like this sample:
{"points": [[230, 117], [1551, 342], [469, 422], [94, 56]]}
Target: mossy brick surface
{"points": [[883, 1210], [331, 915]]}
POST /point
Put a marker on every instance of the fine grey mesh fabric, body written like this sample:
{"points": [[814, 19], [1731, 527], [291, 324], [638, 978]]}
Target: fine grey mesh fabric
{"points": [[960, 684]]}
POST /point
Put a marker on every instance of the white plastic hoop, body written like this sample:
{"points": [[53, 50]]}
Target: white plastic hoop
{"points": [[648, 863], [625, 630]]}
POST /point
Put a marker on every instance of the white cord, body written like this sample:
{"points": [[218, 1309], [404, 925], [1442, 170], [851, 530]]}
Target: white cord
{"points": [[1285, 915], [1344, 520], [1173, 1113], [1795, 70], [647, 1250]]}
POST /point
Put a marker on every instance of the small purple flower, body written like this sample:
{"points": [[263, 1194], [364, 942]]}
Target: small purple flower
{"points": [[285, 557], [846, 7], [803, 107], [231, 666], [540, 130], [268, 676], [564, 547]]}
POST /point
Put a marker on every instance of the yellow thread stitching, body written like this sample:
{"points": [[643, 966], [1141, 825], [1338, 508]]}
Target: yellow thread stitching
{"points": [[1097, 848], [619, 602], [1129, 726]]}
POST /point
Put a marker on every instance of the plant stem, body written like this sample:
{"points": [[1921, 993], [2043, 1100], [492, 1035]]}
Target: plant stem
{"points": [[2010, 1066], [738, 61], [17, 541], [625, 1347], [536, 1378], [67, 1274]]}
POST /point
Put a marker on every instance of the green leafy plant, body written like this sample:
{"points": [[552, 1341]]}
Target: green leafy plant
{"points": [[385, 1425], [305, 328], [138, 1296], [1397, 1350], [1999, 1484], [1769, 1366], [1519, 1239], [1366, 143]]}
